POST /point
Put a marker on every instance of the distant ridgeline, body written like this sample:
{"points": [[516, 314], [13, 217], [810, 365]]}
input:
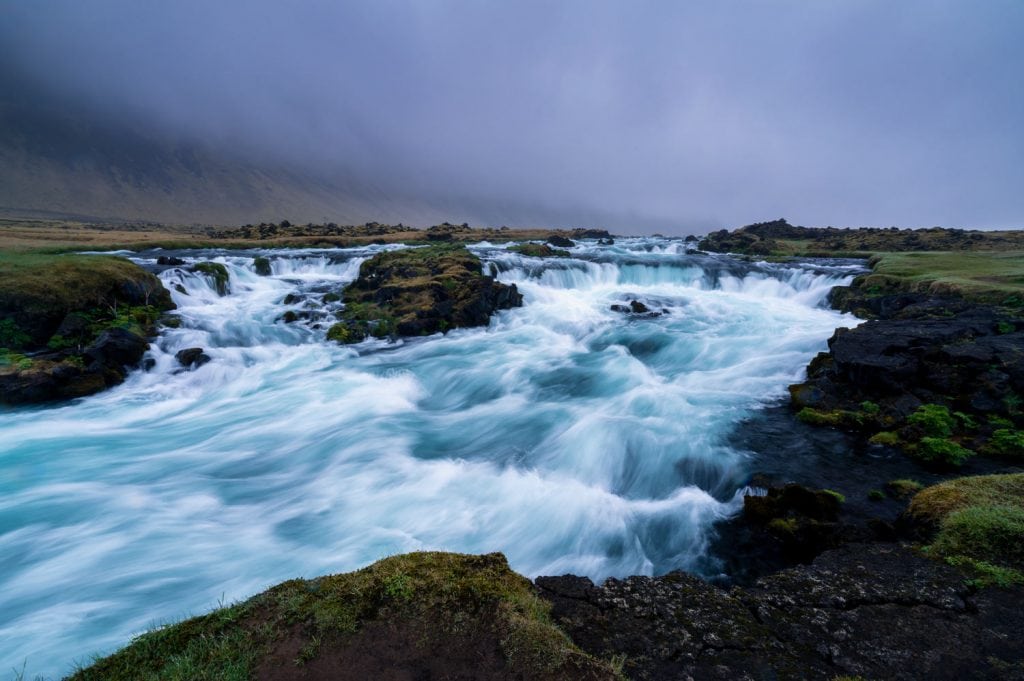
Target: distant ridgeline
{"points": [[778, 237]]}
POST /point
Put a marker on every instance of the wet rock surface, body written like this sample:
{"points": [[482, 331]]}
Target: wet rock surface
{"points": [[873, 610], [192, 358]]}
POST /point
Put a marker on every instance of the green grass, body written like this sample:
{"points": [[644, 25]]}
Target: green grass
{"points": [[938, 501], [446, 594], [980, 525], [986, 276]]}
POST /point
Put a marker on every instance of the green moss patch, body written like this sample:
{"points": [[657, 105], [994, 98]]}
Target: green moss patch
{"points": [[836, 418], [934, 419], [434, 611], [980, 524], [940, 451], [903, 488], [1006, 443]]}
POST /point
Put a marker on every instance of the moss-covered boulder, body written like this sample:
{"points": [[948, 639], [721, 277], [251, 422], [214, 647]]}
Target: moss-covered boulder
{"points": [[261, 266], [420, 615], [418, 292], [217, 274], [539, 251], [69, 324]]}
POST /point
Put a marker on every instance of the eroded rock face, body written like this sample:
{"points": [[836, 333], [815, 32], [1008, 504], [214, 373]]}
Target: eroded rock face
{"points": [[918, 349], [873, 610]]}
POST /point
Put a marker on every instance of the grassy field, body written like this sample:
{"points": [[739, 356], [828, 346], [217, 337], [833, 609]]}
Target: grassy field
{"points": [[989, 276]]}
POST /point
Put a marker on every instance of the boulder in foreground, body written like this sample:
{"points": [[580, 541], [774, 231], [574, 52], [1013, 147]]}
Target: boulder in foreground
{"points": [[415, 616]]}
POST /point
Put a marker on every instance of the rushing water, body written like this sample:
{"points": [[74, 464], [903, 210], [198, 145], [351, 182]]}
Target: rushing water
{"points": [[571, 437]]}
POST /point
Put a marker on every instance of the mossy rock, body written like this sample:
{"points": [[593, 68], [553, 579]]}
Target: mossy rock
{"points": [[217, 274], [902, 488], [39, 292], [420, 291], [261, 266], [346, 333], [539, 251], [980, 524], [1005, 443], [441, 615], [83, 319]]}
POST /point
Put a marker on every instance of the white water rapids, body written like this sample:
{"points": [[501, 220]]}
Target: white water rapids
{"points": [[571, 437]]}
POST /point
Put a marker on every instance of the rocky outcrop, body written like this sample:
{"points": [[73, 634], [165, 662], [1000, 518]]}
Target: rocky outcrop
{"points": [[870, 610], [539, 251], [71, 325], [921, 356], [418, 292], [559, 241]]}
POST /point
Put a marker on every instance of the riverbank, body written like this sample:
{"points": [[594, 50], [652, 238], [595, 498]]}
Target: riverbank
{"points": [[661, 626]]}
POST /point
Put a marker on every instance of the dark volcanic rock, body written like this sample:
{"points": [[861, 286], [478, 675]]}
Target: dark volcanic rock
{"points": [[116, 347], [877, 611], [635, 307], [970, 358], [261, 266], [560, 241], [192, 358], [59, 376]]}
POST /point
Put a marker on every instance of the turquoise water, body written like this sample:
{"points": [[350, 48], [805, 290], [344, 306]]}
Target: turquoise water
{"points": [[568, 436]]}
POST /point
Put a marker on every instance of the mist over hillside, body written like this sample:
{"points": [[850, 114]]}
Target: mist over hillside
{"points": [[667, 117]]}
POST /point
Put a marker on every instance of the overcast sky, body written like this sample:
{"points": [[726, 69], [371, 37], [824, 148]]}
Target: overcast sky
{"points": [[701, 114]]}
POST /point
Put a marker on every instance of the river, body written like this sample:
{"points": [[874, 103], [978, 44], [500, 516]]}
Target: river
{"points": [[571, 437]]}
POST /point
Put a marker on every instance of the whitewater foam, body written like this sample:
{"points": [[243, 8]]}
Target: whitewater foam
{"points": [[567, 435]]}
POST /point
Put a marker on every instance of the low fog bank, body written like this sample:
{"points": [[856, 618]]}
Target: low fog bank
{"points": [[643, 117]]}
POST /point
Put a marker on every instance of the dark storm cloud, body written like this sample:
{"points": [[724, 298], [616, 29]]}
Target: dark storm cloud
{"points": [[651, 113]]}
